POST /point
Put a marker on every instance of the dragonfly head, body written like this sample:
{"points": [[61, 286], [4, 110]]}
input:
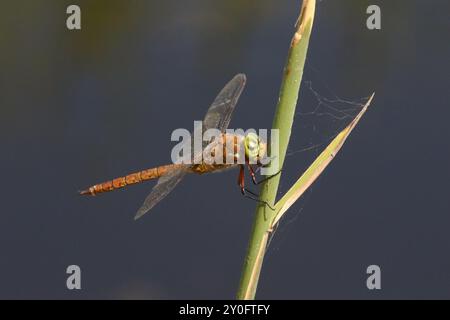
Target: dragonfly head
{"points": [[255, 148]]}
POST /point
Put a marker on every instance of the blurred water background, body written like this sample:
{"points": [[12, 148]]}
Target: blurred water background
{"points": [[79, 107]]}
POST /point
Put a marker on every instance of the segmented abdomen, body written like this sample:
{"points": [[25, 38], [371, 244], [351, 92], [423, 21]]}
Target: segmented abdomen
{"points": [[132, 178]]}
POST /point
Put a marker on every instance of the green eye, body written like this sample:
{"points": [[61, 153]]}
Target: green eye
{"points": [[251, 144]]}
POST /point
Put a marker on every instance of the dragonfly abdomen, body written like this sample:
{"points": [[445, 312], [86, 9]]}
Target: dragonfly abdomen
{"points": [[129, 179]]}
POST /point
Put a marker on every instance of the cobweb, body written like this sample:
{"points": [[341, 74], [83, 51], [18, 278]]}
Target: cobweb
{"points": [[321, 115]]}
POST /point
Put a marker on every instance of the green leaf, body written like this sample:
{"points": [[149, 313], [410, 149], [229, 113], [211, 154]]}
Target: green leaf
{"points": [[316, 168]]}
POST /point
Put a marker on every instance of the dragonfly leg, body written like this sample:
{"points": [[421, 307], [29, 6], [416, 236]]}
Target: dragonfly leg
{"points": [[241, 182], [248, 193], [253, 196], [252, 173], [241, 177]]}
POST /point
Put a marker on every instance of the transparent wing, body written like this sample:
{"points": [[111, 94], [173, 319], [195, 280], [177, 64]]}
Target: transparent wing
{"points": [[217, 117], [220, 111], [162, 188]]}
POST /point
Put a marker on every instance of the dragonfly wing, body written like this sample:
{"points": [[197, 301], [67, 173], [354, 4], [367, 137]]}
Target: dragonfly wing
{"points": [[162, 188], [220, 111]]}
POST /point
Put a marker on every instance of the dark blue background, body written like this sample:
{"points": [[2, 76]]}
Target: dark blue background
{"points": [[79, 107]]}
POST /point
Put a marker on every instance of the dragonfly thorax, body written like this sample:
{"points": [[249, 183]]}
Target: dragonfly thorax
{"points": [[233, 149]]}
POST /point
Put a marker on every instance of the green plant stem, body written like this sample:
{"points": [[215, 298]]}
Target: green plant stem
{"points": [[283, 119]]}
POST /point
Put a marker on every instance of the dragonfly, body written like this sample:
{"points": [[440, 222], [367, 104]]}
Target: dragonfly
{"points": [[218, 117]]}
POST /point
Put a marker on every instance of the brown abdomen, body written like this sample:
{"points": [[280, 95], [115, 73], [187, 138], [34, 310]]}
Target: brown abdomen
{"points": [[132, 178]]}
